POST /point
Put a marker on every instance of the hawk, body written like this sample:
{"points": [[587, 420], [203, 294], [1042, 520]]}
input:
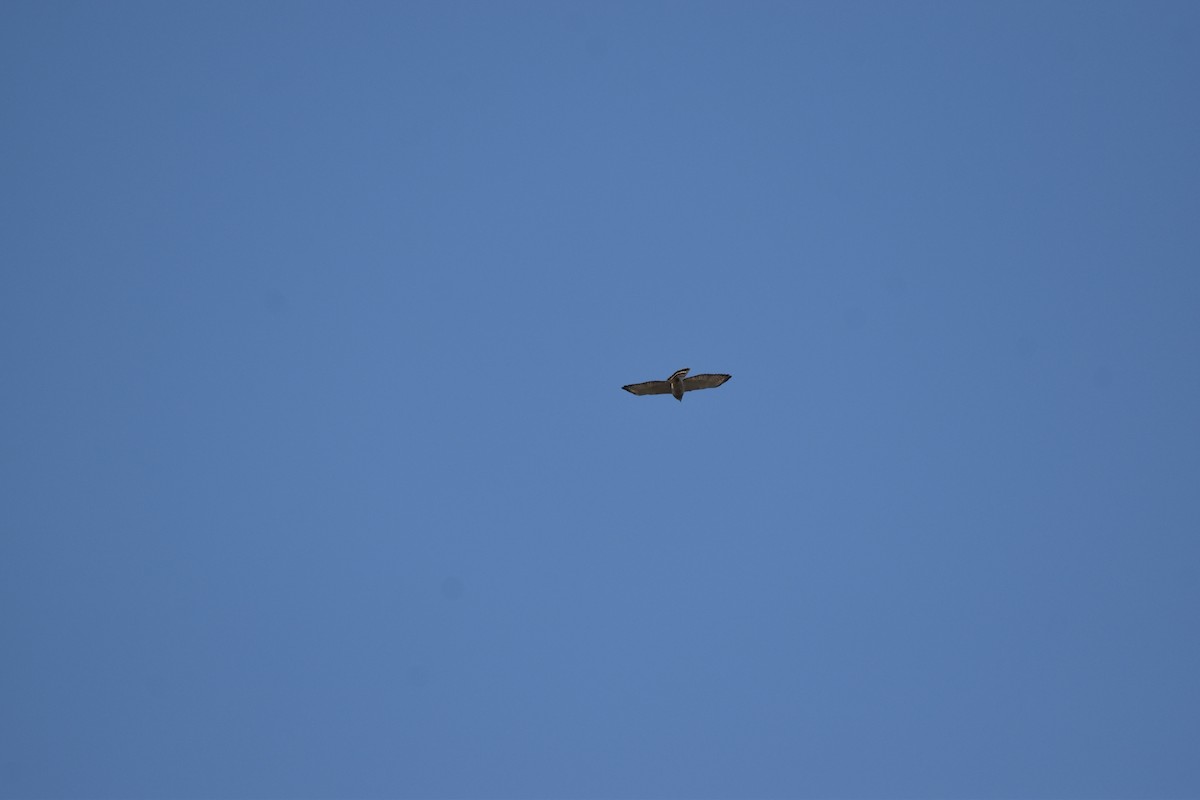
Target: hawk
{"points": [[677, 384]]}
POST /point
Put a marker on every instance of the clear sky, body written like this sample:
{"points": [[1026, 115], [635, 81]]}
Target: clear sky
{"points": [[317, 476]]}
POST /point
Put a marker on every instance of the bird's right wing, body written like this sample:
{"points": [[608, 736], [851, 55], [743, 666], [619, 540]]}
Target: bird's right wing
{"points": [[706, 381], [649, 387]]}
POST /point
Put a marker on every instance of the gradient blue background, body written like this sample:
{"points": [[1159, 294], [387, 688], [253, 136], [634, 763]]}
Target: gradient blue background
{"points": [[318, 480]]}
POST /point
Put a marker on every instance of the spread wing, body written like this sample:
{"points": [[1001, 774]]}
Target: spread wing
{"points": [[706, 381], [649, 387]]}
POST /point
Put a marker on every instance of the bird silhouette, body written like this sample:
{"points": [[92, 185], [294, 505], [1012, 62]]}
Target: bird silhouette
{"points": [[677, 384]]}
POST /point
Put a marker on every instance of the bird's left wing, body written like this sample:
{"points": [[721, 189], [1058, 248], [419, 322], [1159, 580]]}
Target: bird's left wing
{"points": [[649, 387], [706, 381]]}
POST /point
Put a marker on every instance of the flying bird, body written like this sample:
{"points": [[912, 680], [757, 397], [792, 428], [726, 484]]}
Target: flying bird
{"points": [[677, 384]]}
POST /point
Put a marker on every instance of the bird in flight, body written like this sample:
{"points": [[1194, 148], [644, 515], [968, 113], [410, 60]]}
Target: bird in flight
{"points": [[677, 384]]}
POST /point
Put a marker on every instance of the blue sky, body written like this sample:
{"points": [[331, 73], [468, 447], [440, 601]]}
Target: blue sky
{"points": [[319, 481]]}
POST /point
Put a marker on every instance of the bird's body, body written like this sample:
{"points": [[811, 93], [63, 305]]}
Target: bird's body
{"points": [[677, 384]]}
